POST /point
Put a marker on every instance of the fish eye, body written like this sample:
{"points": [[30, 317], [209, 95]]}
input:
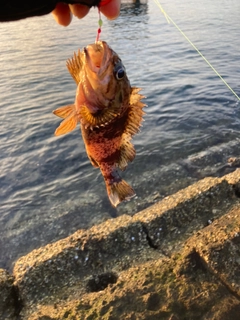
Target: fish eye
{"points": [[120, 73]]}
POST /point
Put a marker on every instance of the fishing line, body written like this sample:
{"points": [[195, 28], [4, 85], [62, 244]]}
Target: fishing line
{"points": [[169, 19], [100, 23]]}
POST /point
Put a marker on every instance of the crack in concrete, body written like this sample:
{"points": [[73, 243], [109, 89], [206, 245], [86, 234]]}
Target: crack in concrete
{"points": [[152, 245], [18, 305], [149, 240]]}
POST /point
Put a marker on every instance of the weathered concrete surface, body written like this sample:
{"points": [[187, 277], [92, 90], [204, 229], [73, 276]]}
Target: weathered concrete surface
{"points": [[178, 259], [9, 304], [218, 246]]}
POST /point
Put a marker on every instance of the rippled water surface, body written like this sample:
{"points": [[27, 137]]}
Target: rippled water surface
{"points": [[48, 188]]}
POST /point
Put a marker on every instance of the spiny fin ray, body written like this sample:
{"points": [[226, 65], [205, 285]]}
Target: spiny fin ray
{"points": [[127, 154], [74, 66], [135, 117]]}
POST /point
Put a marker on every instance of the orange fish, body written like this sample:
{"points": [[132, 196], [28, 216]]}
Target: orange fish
{"points": [[109, 111]]}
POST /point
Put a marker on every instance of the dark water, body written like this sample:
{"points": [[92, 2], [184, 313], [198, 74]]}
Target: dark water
{"points": [[48, 188]]}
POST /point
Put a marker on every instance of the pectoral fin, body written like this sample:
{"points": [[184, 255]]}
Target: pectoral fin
{"points": [[65, 111], [67, 125]]}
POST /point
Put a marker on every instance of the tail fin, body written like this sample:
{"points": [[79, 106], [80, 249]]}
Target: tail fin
{"points": [[119, 191]]}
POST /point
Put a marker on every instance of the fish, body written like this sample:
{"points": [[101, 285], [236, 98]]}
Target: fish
{"points": [[109, 111]]}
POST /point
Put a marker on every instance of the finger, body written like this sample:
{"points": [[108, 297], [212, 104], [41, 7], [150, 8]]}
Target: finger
{"points": [[79, 10], [62, 14], [112, 9]]}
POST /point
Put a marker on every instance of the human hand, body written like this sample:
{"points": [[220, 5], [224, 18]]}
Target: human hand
{"points": [[63, 12]]}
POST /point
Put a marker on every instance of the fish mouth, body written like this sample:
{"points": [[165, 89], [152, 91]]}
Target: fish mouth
{"points": [[98, 72], [97, 56]]}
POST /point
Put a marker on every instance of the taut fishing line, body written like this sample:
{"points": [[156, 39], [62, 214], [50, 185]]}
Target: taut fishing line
{"points": [[100, 23], [169, 19]]}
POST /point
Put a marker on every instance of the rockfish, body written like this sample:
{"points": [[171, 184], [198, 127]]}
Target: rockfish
{"points": [[109, 111]]}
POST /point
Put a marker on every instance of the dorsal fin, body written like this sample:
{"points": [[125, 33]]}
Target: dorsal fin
{"points": [[136, 113], [74, 66], [135, 117], [127, 153]]}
